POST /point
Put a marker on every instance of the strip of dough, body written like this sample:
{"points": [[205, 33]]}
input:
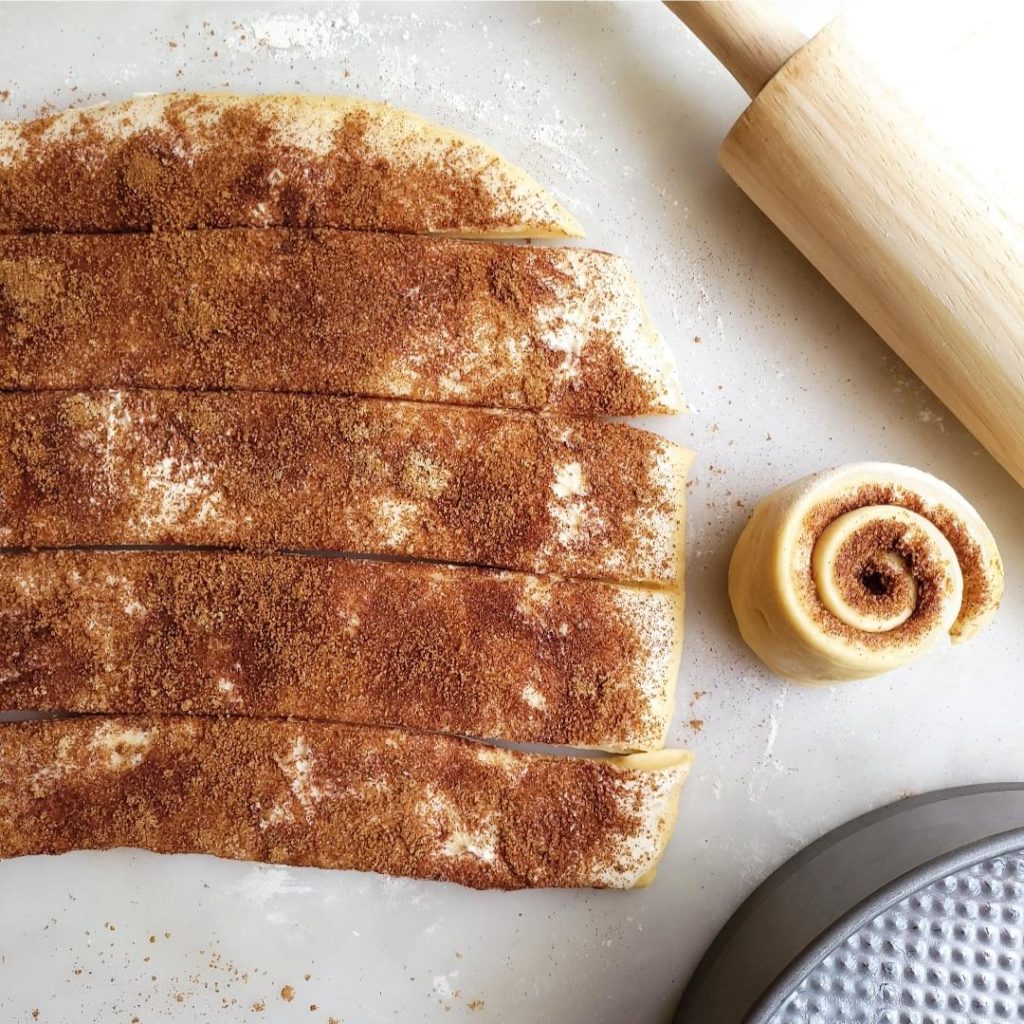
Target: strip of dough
{"points": [[187, 160], [333, 796], [278, 471], [861, 569], [393, 316], [477, 652]]}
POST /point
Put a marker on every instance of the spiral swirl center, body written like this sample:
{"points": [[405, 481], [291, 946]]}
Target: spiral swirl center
{"points": [[871, 565]]}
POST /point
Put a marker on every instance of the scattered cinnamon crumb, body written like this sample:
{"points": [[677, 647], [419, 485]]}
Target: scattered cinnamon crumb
{"points": [[696, 724], [287, 993], [259, 1006], [475, 1004]]}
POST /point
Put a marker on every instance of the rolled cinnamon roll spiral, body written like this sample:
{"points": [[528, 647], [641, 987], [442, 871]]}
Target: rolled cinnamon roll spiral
{"points": [[858, 570]]}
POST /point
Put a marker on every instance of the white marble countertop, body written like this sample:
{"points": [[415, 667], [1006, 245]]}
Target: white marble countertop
{"points": [[620, 112]]}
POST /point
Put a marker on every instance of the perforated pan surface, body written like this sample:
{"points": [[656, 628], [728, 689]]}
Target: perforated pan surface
{"points": [[951, 953]]}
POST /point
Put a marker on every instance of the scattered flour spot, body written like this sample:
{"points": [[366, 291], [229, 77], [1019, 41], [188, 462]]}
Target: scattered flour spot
{"points": [[534, 697]]}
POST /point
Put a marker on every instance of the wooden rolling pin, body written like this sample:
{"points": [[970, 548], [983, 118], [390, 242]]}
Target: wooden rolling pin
{"points": [[899, 225]]}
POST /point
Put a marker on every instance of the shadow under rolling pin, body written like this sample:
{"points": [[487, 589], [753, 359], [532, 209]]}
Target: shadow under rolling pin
{"points": [[919, 245]]}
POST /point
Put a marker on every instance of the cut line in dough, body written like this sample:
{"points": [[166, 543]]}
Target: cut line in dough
{"points": [[332, 796], [332, 312], [282, 471], [474, 652]]}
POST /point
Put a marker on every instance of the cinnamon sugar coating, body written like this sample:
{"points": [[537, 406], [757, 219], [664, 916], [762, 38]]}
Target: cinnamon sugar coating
{"points": [[193, 160], [282, 471], [332, 796], [395, 316], [475, 652]]}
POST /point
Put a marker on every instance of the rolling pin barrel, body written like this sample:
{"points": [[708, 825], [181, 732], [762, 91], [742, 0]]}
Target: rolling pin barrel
{"points": [[892, 217]]}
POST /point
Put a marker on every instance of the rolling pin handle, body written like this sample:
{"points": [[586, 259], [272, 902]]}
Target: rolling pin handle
{"points": [[751, 40]]}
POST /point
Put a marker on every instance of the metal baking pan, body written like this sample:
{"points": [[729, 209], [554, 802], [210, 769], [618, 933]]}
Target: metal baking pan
{"points": [[911, 914]]}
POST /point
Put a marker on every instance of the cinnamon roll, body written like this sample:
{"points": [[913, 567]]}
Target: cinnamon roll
{"points": [[861, 569]]}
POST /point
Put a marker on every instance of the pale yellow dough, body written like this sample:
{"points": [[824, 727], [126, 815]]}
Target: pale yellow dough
{"points": [[858, 570], [672, 767]]}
